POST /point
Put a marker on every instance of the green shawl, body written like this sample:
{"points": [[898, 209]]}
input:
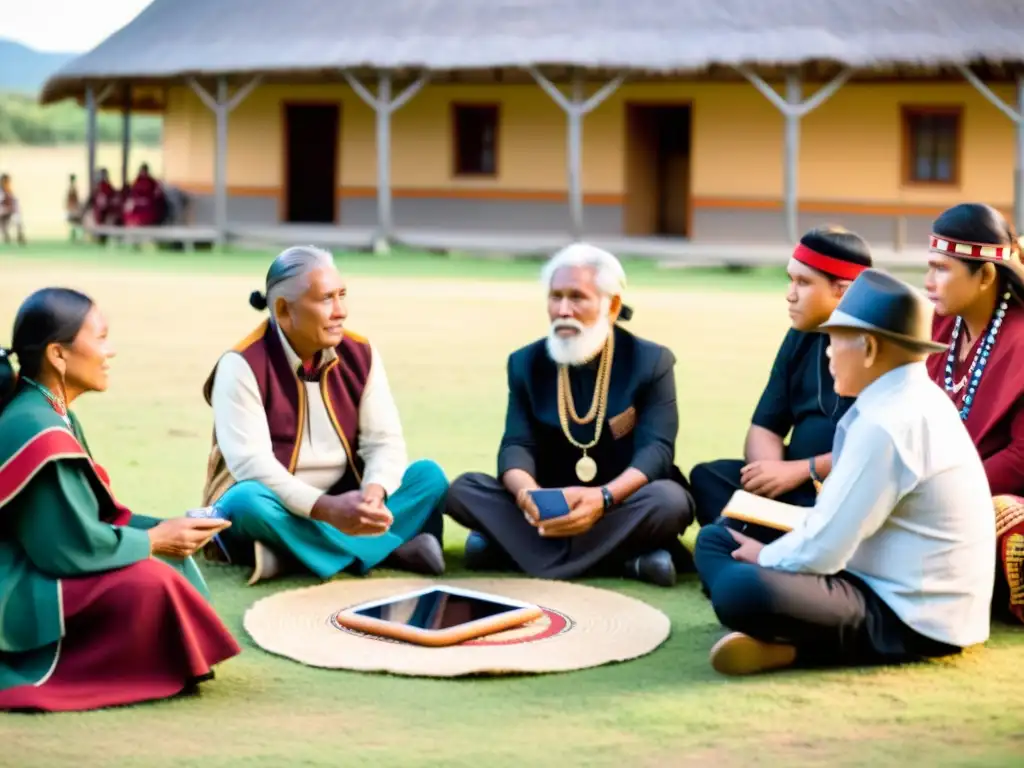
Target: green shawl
{"points": [[56, 521]]}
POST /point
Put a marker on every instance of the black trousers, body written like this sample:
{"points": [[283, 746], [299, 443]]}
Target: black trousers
{"points": [[652, 518], [831, 620], [715, 482]]}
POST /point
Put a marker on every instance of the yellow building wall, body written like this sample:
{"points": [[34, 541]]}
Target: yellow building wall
{"points": [[850, 150]]}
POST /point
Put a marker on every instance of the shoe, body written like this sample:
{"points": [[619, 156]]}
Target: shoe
{"points": [[421, 554], [654, 568], [267, 566], [482, 554], [739, 654]]}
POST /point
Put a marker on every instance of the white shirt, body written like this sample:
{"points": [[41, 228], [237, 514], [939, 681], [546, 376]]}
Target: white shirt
{"points": [[906, 508], [243, 435]]}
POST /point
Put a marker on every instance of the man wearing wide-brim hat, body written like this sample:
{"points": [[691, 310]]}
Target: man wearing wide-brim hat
{"points": [[895, 560]]}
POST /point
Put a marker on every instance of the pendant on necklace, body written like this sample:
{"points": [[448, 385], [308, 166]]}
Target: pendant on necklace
{"points": [[586, 469], [959, 385]]}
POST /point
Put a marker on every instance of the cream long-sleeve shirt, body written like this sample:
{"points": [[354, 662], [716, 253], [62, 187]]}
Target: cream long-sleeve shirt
{"points": [[243, 435]]}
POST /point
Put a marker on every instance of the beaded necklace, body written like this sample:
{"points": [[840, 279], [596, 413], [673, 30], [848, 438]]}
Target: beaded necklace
{"points": [[973, 377], [56, 402]]}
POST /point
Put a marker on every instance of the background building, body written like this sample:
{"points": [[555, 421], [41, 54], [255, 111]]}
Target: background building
{"points": [[481, 113]]}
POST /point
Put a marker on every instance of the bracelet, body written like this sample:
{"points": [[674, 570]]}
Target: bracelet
{"points": [[814, 472], [609, 500]]}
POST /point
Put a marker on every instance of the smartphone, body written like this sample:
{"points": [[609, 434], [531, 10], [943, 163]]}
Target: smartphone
{"points": [[210, 513], [550, 503]]}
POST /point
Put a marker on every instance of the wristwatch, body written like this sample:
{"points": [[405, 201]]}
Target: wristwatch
{"points": [[814, 472], [609, 500]]}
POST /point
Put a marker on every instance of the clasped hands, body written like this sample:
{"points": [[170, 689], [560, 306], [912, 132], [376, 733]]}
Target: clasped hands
{"points": [[356, 513], [774, 478], [586, 507]]}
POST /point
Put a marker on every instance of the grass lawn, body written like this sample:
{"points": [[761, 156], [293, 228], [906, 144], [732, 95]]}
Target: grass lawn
{"points": [[444, 328]]}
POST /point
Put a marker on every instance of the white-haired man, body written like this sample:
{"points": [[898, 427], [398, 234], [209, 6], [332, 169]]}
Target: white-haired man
{"points": [[309, 461], [591, 411]]}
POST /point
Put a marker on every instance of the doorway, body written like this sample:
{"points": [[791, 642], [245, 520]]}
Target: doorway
{"points": [[311, 163], [658, 149]]}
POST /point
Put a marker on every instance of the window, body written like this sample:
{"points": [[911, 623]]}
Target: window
{"points": [[931, 145], [475, 139]]}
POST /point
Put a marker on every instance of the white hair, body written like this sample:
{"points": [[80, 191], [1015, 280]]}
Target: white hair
{"points": [[288, 276], [609, 275]]}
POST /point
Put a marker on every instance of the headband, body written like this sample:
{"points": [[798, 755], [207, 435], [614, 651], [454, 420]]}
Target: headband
{"points": [[964, 248], [830, 265]]}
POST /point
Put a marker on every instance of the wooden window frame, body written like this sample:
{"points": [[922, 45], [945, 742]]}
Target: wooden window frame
{"points": [[908, 113], [495, 107]]}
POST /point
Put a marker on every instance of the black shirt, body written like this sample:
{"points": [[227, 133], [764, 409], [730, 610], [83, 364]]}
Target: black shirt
{"points": [[641, 422], [800, 396]]}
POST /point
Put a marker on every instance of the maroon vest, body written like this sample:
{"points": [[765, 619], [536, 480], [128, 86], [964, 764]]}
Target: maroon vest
{"points": [[342, 382]]}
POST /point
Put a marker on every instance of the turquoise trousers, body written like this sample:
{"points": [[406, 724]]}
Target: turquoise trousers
{"points": [[257, 514]]}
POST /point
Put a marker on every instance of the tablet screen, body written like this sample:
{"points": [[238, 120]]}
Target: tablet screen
{"points": [[437, 609]]}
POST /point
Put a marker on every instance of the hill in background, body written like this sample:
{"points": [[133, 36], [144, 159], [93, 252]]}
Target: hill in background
{"points": [[24, 121], [24, 70]]}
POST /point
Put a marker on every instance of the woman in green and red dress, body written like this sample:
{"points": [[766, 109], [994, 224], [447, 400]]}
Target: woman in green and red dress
{"points": [[976, 281], [98, 606]]}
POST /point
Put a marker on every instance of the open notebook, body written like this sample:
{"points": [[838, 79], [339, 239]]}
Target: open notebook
{"points": [[761, 511]]}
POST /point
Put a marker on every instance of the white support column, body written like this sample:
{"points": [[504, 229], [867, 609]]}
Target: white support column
{"points": [[793, 110], [384, 106], [575, 109], [90, 139], [1017, 116], [92, 105], [791, 169], [126, 133], [222, 106]]}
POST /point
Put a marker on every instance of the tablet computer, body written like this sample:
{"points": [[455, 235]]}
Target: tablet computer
{"points": [[438, 616]]}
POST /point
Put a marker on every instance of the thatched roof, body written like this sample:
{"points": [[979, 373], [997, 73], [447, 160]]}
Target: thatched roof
{"points": [[171, 39]]}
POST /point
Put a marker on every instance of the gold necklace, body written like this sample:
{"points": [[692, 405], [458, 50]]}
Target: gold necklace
{"points": [[563, 376], [586, 467]]}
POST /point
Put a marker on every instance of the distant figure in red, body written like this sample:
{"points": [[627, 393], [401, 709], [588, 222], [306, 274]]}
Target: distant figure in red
{"points": [[105, 201], [144, 206], [10, 211]]}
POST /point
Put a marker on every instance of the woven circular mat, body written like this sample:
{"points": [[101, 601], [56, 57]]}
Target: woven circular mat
{"points": [[581, 627]]}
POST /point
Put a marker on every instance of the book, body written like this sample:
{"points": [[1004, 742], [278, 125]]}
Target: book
{"points": [[763, 511]]}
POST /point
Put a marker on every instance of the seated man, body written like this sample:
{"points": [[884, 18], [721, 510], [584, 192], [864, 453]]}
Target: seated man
{"points": [[628, 501], [144, 204], [10, 212], [799, 395], [103, 205], [896, 560], [309, 462]]}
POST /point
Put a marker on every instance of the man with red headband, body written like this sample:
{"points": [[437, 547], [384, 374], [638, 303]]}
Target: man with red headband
{"points": [[799, 400]]}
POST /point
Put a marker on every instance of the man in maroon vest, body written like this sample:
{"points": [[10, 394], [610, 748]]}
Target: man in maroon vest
{"points": [[309, 461]]}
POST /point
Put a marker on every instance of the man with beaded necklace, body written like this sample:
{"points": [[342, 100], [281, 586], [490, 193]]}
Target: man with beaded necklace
{"points": [[976, 282], [614, 463]]}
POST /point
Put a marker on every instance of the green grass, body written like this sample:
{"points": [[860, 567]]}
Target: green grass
{"points": [[444, 328]]}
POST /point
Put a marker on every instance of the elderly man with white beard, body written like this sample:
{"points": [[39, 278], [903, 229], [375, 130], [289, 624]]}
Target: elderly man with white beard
{"points": [[591, 412]]}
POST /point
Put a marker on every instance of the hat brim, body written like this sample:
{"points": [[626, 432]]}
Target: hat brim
{"points": [[842, 321]]}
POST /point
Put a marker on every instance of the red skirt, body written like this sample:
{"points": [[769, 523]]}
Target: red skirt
{"points": [[136, 634]]}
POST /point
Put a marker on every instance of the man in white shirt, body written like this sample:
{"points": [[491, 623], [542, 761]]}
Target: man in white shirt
{"points": [[895, 560], [309, 461]]}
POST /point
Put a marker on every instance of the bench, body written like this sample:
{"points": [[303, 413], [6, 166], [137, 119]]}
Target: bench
{"points": [[184, 237]]}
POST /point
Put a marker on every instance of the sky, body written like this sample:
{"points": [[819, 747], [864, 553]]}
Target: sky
{"points": [[71, 26]]}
